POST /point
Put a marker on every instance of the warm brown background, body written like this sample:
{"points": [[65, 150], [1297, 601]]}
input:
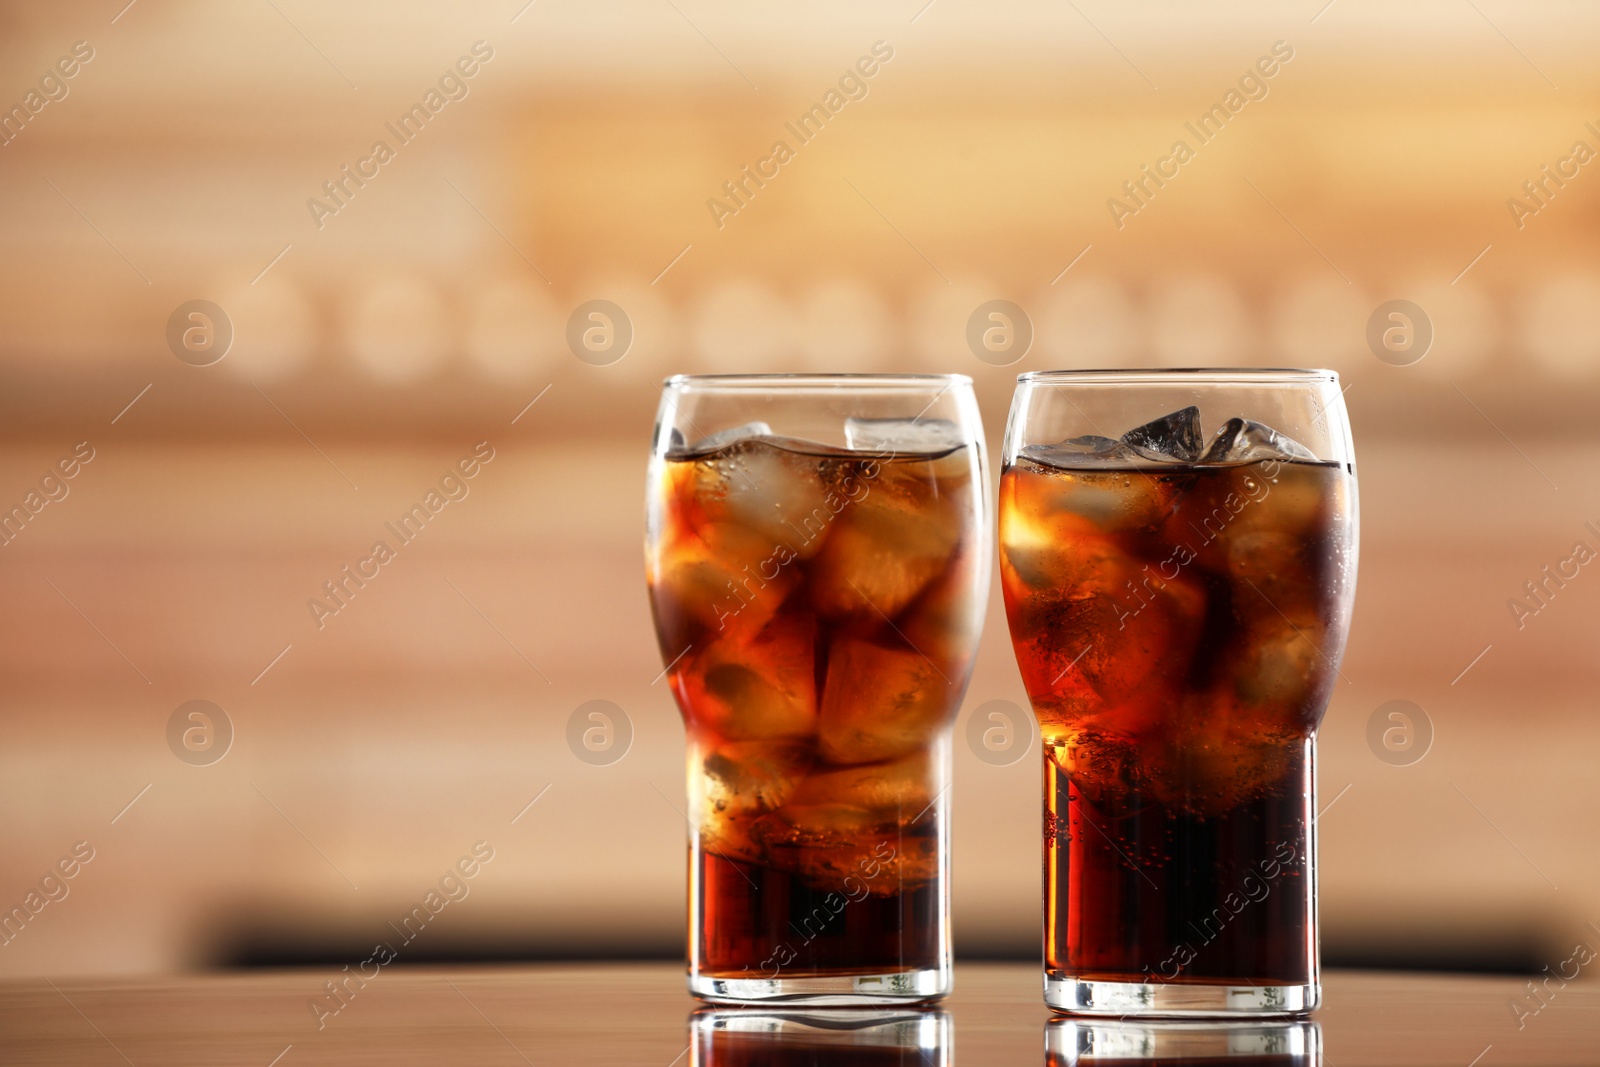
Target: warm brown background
{"points": [[428, 313]]}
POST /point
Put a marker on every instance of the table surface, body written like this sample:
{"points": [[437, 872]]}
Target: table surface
{"points": [[640, 1014]]}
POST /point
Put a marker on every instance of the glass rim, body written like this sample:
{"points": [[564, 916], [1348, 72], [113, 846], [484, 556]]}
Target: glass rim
{"points": [[1180, 375], [735, 382]]}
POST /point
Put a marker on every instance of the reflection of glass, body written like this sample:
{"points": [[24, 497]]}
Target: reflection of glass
{"points": [[1081, 1042], [1179, 597], [847, 1038], [817, 549]]}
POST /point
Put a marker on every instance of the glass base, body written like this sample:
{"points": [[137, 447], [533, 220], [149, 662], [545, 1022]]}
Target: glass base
{"points": [[826, 991], [1080, 996]]}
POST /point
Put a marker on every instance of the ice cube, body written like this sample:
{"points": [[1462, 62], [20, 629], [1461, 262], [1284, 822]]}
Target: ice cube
{"points": [[774, 491], [886, 546], [1077, 453], [741, 781], [891, 793], [732, 435], [1104, 766], [834, 807], [1116, 500], [1276, 564], [1282, 665], [1246, 441], [1113, 660], [1224, 757], [754, 705], [1065, 552], [881, 703], [919, 435], [710, 586], [1208, 752], [944, 622], [873, 825], [870, 823], [731, 840], [742, 777], [757, 689], [1233, 511], [882, 865], [1173, 438]]}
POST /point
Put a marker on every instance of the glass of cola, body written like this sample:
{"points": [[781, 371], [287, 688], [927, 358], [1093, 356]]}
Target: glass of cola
{"points": [[1178, 559], [817, 551]]}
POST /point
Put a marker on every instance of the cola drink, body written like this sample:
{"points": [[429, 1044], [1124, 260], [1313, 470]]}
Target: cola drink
{"points": [[819, 608], [1178, 613]]}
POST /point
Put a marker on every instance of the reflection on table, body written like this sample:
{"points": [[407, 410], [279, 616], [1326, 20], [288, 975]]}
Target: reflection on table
{"points": [[1259, 1043], [727, 1037]]}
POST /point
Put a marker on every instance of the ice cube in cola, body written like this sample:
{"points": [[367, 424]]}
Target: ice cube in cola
{"points": [[819, 608], [1177, 607]]}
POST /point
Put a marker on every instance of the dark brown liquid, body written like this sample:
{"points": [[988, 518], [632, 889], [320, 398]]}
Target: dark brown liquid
{"points": [[1136, 890], [819, 611], [1178, 629], [763, 923]]}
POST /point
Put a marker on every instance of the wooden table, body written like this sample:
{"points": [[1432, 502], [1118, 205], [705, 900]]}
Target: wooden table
{"points": [[639, 1014]]}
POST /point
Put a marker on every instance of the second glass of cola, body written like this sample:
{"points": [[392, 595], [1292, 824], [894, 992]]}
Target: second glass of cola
{"points": [[1179, 594]]}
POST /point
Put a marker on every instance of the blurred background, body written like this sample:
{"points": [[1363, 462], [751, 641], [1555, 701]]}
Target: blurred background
{"points": [[382, 329]]}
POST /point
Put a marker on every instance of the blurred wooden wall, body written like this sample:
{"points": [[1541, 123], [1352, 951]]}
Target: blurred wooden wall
{"points": [[372, 353]]}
